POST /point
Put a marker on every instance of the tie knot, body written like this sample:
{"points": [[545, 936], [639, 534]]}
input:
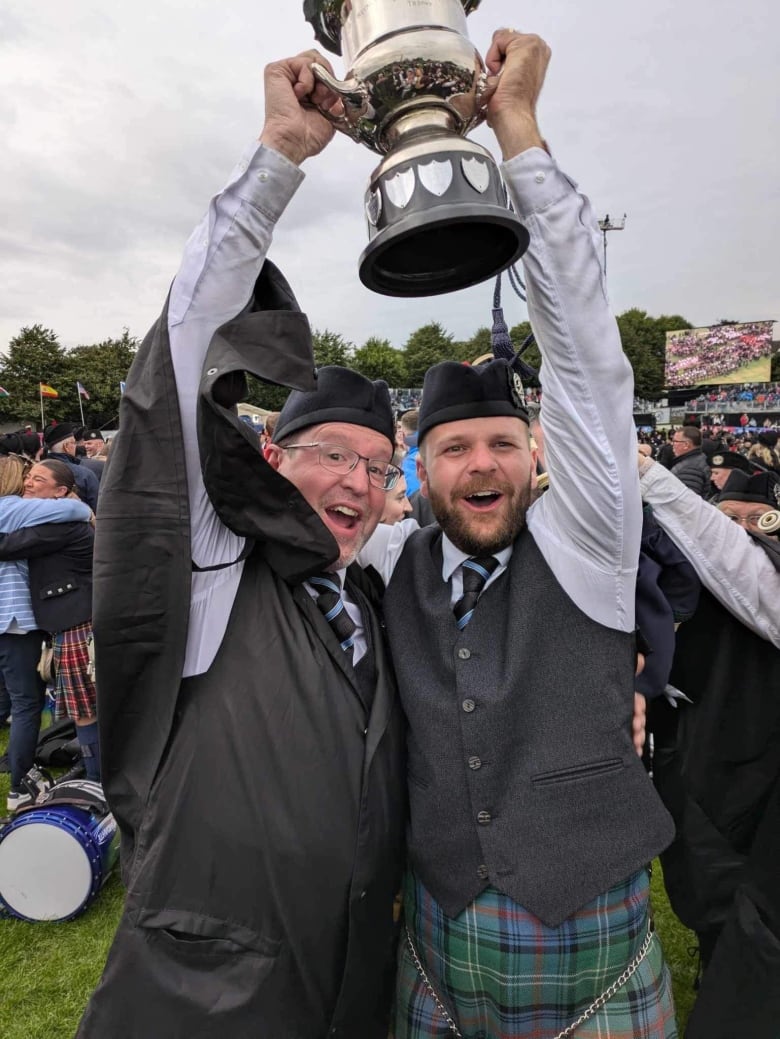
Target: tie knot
{"points": [[476, 571], [325, 583]]}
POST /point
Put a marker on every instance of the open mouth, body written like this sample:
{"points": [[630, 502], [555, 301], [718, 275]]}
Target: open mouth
{"points": [[483, 501], [342, 517]]}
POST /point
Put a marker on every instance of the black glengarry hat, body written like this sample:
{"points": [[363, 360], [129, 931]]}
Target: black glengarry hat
{"points": [[57, 432], [731, 460], [763, 488], [341, 396], [454, 391]]}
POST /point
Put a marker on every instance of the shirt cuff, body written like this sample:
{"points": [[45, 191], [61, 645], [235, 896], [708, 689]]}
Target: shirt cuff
{"points": [[536, 181], [266, 180]]}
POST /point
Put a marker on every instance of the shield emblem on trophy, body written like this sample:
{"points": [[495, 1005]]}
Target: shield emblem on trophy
{"points": [[477, 174], [400, 188], [435, 176]]}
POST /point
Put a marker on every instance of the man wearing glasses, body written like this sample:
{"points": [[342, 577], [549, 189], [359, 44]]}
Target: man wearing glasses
{"points": [[690, 464], [251, 736]]}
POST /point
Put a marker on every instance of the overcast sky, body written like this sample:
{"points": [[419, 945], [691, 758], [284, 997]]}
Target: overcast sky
{"points": [[120, 121]]}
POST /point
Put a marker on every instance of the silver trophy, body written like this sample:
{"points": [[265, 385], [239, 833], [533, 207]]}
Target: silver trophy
{"points": [[436, 205]]}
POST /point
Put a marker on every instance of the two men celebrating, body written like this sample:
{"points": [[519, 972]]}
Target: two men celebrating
{"points": [[253, 733]]}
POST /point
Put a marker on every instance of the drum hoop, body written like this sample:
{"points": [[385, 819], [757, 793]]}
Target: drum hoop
{"points": [[47, 815]]}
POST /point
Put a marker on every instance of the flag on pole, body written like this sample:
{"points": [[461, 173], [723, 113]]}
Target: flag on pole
{"points": [[82, 392], [48, 391], [4, 393]]}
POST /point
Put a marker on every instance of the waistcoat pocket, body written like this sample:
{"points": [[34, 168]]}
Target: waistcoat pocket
{"points": [[588, 770]]}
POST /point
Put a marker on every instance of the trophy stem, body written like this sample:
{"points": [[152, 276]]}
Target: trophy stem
{"points": [[428, 120]]}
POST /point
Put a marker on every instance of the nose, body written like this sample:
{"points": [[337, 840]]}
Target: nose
{"points": [[482, 459], [357, 479]]}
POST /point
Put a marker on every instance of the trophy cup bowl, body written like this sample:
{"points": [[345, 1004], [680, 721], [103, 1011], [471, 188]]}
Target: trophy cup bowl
{"points": [[436, 205]]}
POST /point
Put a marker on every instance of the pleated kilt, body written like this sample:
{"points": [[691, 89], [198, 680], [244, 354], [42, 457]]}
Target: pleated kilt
{"points": [[502, 974], [74, 690]]}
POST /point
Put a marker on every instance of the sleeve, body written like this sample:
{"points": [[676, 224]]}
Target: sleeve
{"points": [[588, 524], [40, 540], [220, 265], [27, 512], [383, 549], [729, 563]]}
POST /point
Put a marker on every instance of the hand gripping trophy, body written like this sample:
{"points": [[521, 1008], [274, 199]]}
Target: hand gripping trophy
{"points": [[436, 206]]}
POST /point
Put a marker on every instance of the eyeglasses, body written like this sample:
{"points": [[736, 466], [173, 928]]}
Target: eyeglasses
{"points": [[683, 441], [342, 460], [752, 519]]}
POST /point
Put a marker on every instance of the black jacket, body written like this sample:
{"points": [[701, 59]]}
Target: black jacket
{"points": [[60, 571], [692, 470], [718, 771], [262, 806]]}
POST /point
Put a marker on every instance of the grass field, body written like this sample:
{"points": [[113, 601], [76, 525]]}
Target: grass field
{"points": [[47, 971]]}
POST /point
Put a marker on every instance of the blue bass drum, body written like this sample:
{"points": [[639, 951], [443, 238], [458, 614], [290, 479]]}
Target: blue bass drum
{"points": [[56, 856]]}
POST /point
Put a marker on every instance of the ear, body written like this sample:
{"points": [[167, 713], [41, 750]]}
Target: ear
{"points": [[273, 454], [422, 476], [534, 463]]}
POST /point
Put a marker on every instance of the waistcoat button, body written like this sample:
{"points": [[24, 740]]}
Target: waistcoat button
{"points": [[464, 653], [468, 706], [482, 872], [475, 763], [483, 818]]}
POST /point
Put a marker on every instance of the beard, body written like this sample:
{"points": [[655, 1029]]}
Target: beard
{"points": [[485, 533]]}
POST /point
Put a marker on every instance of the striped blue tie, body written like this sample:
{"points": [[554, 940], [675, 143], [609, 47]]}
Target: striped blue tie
{"points": [[331, 605], [475, 572]]}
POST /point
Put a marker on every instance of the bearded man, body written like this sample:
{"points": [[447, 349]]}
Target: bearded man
{"points": [[512, 630]]}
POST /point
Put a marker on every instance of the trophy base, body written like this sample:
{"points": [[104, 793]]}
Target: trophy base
{"points": [[438, 221]]}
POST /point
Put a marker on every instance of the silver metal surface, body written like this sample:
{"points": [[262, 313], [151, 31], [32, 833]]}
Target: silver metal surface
{"points": [[412, 69]]}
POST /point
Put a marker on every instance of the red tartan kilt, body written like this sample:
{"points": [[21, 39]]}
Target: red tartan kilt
{"points": [[74, 689]]}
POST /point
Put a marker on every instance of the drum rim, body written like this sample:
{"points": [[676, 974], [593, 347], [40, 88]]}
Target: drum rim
{"points": [[55, 817]]}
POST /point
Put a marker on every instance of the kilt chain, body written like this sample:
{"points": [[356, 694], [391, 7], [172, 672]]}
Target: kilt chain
{"points": [[595, 1006]]}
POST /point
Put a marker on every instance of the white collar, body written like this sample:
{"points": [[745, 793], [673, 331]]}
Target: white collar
{"points": [[453, 557]]}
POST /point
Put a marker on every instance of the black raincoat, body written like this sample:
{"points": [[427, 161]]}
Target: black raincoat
{"points": [[262, 803], [718, 772]]}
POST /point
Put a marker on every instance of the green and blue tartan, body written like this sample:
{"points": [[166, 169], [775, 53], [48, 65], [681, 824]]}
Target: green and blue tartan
{"points": [[502, 974]]}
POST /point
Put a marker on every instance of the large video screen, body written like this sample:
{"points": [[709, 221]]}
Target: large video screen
{"points": [[719, 354]]}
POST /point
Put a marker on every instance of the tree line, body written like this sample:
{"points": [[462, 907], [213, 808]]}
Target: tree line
{"points": [[35, 355]]}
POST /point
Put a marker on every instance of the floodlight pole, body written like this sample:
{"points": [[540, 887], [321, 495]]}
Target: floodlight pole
{"points": [[606, 225]]}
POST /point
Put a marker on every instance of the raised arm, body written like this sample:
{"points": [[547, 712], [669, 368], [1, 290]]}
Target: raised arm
{"points": [[729, 563], [17, 513], [588, 525], [223, 258]]}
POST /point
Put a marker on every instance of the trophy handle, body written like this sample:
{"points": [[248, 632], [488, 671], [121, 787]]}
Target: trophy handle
{"points": [[484, 93], [354, 98]]}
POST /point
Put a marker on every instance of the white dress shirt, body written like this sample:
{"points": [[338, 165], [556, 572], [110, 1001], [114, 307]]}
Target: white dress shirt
{"points": [[221, 262], [729, 563]]}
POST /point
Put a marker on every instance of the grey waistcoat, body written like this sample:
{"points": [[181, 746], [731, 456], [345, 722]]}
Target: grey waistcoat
{"points": [[522, 771]]}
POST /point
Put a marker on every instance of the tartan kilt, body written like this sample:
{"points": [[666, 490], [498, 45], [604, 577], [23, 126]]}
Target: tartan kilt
{"points": [[502, 974], [74, 690]]}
